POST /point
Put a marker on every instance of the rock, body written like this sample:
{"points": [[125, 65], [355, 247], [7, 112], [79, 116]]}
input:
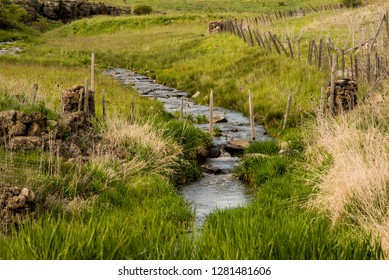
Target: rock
{"points": [[18, 129], [34, 130], [26, 143], [236, 147], [214, 27], [219, 119], [39, 119], [25, 192], [7, 119], [213, 152]]}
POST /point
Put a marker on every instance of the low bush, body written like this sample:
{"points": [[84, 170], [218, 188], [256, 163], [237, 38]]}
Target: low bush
{"points": [[142, 10]]}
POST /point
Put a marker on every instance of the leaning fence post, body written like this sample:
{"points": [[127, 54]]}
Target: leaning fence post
{"points": [[286, 116], [211, 114], [251, 108]]}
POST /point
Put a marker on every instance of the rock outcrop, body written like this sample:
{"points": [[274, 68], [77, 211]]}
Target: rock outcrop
{"points": [[67, 10]]}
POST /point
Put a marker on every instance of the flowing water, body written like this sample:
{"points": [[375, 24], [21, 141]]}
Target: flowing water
{"points": [[212, 191]]}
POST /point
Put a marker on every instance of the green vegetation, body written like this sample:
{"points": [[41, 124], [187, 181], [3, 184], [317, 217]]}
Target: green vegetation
{"points": [[142, 10], [129, 202]]}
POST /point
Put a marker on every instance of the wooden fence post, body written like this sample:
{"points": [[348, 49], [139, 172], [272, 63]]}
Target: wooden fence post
{"points": [[92, 76], [332, 87], [182, 108], [368, 67], [290, 47], [104, 106], [36, 87], [211, 114], [132, 110], [286, 116], [319, 59], [251, 108], [343, 63], [92, 87], [298, 49]]}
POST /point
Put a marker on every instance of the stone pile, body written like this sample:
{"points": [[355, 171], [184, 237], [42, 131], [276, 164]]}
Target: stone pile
{"points": [[71, 100], [67, 10], [20, 130], [15, 204], [346, 95], [214, 27]]}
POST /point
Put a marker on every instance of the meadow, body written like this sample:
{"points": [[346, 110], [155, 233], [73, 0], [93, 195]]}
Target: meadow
{"points": [[134, 207]]}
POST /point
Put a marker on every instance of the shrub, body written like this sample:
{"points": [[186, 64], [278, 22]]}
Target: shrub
{"points": [[352, 3], [142, 10]]}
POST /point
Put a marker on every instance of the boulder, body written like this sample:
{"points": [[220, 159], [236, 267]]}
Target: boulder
{"points": [[219, 119], [18, 129], [26, 143], [236, 147]]}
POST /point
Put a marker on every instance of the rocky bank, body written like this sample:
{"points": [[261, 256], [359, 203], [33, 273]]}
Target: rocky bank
{"points": [[68, 10]]}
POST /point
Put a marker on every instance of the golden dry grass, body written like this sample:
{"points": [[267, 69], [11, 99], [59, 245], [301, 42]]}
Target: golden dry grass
{"points": [[353, 187], [135, 148]]}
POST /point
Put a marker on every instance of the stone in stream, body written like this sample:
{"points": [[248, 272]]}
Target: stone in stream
{"points": [[236, 147], [213, 152], [219, 119]]}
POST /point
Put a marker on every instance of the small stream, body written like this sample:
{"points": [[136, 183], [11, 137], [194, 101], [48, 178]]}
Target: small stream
{"points": [[213, 191]]}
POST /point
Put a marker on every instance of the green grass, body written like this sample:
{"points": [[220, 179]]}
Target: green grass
{"points": [[217, 6]]}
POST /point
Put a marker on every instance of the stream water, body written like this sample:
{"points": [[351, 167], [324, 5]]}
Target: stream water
{"points": [[212, 191]]}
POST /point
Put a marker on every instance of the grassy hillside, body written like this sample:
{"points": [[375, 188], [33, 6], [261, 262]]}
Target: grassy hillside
{"points": [[133, 205]]}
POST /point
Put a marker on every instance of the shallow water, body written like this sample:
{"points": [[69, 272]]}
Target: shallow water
{"points": [[212, 191]]}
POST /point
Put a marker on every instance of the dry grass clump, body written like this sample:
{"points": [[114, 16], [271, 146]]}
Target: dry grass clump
{"points": [[354, 147], [130, 148]]}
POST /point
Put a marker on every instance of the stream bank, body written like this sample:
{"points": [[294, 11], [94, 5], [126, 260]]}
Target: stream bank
{"points": [[218, 189]]}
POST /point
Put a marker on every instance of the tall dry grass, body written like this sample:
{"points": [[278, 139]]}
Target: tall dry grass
{"points": [[353, 185], [131, 148]]}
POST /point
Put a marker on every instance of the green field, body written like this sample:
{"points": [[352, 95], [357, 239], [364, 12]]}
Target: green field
{"points": [[133, 206]]}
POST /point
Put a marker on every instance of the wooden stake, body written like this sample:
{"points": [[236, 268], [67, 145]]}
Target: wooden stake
{"points": [[132, 110], [343, 62], [332, 88], [356, 68], [378, 31], [92, 76], [298, 49], [36, 87], [86, 97], [368, 67], [104, 106], [319, 60], [251, 108], [80, 102], [182, 108], [290, 47], [286, 116], [211, 114]]}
